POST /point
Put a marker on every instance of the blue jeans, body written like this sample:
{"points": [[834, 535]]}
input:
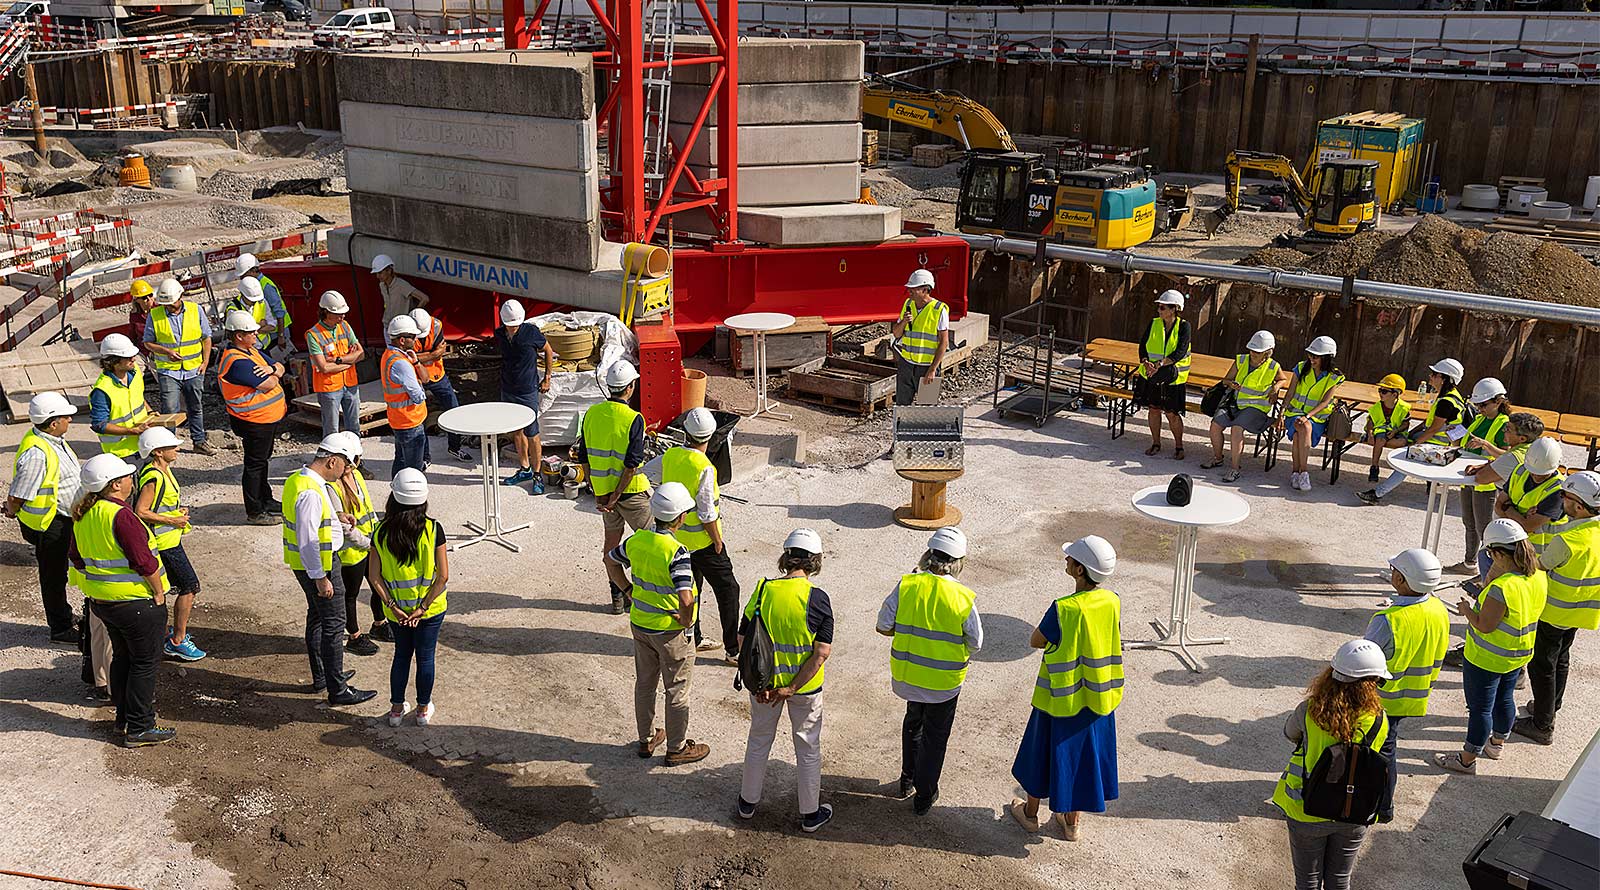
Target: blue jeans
{"points": [[1491, 709], [445, 395], [421, 641], [410, 449], [172, 389], [340, 411]]}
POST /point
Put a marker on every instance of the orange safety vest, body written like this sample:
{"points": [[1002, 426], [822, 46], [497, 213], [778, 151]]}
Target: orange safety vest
{"points": [[338, 342], [432, 371], [246, 402], [404, 414]]}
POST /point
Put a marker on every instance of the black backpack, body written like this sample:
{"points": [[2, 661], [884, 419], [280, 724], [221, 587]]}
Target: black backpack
{"points": [[758, 663], [1349, 781]]}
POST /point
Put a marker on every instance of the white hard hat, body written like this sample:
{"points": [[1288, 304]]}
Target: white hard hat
{"points": [[409, 487], [103, 469], [511, 313], [379, 263], [1323, 346], [670, 501], [620, 374], [699, 424], [1095, 554], [46, 405], [169, 292], [1170, 298], [920, 278], [1503, 531], [1449, 367], [1419, 567], [117, 346], [246, 263], [401, 326], [239, 320], [250, 289], [949, 541], [156, 437], [1543, 457], [345, 444], [1359, 659], [422, 318], [803, 539], [333, 301], [1261, 341], [1584, 486], [1486, 389]]}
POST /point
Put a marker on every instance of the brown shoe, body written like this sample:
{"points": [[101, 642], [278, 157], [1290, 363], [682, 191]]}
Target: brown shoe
{"points": [[648, 748], [691, 752]]}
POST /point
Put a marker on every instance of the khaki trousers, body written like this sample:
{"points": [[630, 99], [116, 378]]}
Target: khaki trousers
{"points": [[666, 659], [99, 651]]}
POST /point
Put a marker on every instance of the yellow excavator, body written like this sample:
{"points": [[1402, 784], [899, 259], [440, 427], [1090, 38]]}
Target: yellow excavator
{"points": [[1341, 200], [948, 114]]}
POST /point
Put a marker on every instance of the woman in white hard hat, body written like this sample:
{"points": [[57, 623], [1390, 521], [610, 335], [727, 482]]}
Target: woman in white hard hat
{"points": [[1501, 625], [1069, 750], [1442, 426], [526, 361], [157, 503], [798, 616], [359, 519], [118, 412], [44, 486], [1253, 383], [115, 564], [1486, 437], [1160, 383], [1531, 496], [410, 575], [1311, 397], [252, 393], [334, 351], [1342, 706]]}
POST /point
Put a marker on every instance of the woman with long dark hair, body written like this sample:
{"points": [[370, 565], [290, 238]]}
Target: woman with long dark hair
{"points": [[410, 574]]}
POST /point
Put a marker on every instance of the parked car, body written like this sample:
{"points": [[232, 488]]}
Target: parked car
{"points": [[287, 10], [23, 10], [355, 22]]}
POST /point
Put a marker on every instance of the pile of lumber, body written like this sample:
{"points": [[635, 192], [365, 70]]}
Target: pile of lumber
{"points": [[1578, 232]]}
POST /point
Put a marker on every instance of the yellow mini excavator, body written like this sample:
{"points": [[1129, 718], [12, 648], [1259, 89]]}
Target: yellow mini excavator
{"points": [[1341, 200]]}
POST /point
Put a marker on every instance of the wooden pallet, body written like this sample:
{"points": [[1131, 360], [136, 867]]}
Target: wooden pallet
{"points": [[847, 384], [372, 414], [860, 408], [1564, 231]]}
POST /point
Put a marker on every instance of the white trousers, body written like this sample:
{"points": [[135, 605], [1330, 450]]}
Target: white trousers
{"points": [[805, 721]]}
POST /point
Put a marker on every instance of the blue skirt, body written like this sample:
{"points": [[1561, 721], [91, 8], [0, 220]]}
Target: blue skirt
{"points": [[1072, 761]]}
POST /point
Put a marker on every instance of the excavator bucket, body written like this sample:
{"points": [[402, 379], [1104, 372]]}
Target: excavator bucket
{"points": [[1214, 219]]}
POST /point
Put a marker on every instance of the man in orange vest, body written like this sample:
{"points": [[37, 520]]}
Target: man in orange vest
{"points": [[334, 352], [404, 399], [252, 391], [431, 350]]}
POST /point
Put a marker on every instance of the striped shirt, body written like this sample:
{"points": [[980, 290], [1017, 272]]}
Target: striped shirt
{"points": [[682, 573], [31, 467]]}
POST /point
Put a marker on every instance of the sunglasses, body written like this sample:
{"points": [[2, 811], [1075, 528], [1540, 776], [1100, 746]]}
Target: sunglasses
{"points": [[1388, 392]]}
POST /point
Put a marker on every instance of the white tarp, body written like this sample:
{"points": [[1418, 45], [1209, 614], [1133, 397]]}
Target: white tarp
{"points": [[573, 392]]}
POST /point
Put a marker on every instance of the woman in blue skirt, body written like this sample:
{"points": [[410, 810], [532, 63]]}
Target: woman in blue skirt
{"points": [[1069, 751]]}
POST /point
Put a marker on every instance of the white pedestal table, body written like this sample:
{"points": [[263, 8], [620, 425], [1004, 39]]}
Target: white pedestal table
{"points": [[1207, 507], [487, 421], [759, 325], [1440, 479]]}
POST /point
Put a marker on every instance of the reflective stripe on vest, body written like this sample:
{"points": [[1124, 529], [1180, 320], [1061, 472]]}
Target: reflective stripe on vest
{"points": [[404, 414], [38, 512], [1288, 795], [1421, 633], [246, 402], [1380, 425], [784, 603], [168, 493], [1442, 437], [296, 483], [930, 650], [1528, 499], [1574, 586], [128, 408], [1491, 430], [285, 323], [258, 313], [655, 597], [339, 342], [1085, 669], [366, 520], [1255, 386], [1510, 645], [605, 429], [1310, 391], [685, 467], [1160, 343], [920, 340], [185, 341], [106, 575], [434, 370], [409, 583]]}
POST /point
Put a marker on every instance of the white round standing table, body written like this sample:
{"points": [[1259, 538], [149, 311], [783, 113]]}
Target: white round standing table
{"points": [[1440, 479], [1207, 507], [759, 325], [487, 421]]}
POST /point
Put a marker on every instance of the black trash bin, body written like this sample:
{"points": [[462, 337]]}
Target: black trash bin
{"points": [[719, 451]]}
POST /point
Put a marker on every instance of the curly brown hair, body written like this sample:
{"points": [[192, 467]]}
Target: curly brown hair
{"points": [[1338, 707]]}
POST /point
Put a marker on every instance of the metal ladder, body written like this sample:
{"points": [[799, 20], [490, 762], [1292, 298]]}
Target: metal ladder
{"points": [[659, 40]]}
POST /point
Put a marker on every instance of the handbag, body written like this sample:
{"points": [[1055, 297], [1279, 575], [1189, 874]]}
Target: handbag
{"points": [[1165, 374], [1339, 426], [1180, 490], [1217, 397]]}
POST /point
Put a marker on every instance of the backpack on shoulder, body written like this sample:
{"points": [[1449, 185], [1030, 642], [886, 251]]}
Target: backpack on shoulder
{"points": [[758, 663], [1349, 781]]}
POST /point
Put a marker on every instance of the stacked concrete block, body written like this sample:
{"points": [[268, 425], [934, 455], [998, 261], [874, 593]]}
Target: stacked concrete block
{"points": [[474, 153]]}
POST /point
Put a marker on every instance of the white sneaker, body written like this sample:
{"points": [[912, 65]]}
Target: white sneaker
{"points": [[396, 716], [1305, 481], [425, 714]]}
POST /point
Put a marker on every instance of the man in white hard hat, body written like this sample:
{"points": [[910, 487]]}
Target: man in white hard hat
{"points": [[1486, 437], [1310, 405], [44, 486], [611, 447], [1252, 382], [1444, 424], [275, 334], [921, 336], [404, 399], [1414, 634], [252, 393], [1531, 496], [252, 300], [178, 336], [1571, 560], [525, 364], [335, 351], [934, 621], [663, 606], [399, 296], [431, 350], [118, 412], [701, 532], [312, 535]]}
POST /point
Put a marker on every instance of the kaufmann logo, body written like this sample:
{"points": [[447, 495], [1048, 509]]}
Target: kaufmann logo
{"points": [[424, 133], [473, 271], [441, 180]]}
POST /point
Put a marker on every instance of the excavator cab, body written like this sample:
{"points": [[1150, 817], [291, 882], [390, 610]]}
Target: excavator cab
{"points": [[1015, 193], [1344, 197], [993, 185]]}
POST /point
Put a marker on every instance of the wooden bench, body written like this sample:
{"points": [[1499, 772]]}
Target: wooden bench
{"points": [[1581, 429]]}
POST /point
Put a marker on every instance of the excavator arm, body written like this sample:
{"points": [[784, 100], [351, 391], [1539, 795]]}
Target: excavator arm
{"points": [[1273, 165], [948, 114]]}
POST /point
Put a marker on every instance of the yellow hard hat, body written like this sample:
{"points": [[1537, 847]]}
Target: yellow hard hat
{"points": [[141, 289], [1393, 381]]}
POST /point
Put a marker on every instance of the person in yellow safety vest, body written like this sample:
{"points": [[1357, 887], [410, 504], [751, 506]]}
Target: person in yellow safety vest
{"points": [[178, 336], [114, 563], [1311, 397], [312, 535], [1501, 625], [335, 350], [1531, 496], [702, 528], [1069, 750], [1342, 706], [358, 519], [934, 621], [1161, 381], [118, 412], [253, 303], [1445, 423], [1486, 437], [277, 328], [157, 501], [662, 609], [252, 393], [921, 336], [404, 399], [611, 447], [1386, 421], [798, 616], [1253, 380], [431, 351], [44, 485], [1414, 634], [1571, 561], [410, 576]]}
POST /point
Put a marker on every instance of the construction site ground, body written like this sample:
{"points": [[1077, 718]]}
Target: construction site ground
{"points": [[528, 777]]}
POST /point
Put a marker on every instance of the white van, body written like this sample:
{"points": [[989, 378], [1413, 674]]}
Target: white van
{"points": [[23, 10], [354, 22]]}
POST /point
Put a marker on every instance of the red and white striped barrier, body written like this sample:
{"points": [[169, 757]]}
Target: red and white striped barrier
{"points": [[316, 239]]}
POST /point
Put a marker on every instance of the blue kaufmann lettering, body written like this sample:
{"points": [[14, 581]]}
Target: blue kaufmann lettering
{"points": [[477, 273]]}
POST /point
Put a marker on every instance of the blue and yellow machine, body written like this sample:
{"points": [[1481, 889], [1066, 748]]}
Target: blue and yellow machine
{"points": [[1012, 193]]}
